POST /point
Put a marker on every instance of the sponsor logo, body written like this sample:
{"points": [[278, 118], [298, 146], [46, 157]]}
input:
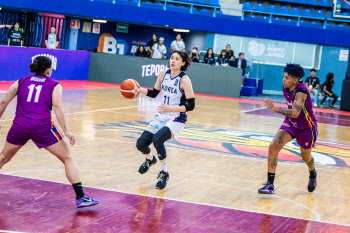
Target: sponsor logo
{"points": [[176, 82], [152, 69], [241, 143], [108, 44]]}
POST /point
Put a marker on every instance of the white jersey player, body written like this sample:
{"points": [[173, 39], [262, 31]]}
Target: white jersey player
{"points": [[178, 98]]}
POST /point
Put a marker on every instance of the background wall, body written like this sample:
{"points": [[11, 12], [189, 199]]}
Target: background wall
{"points": [[66, 64], [137, 35], [206, 79], [275, 54]]}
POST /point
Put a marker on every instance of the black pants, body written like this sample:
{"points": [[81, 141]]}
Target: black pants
{"points": [[335, 97]]}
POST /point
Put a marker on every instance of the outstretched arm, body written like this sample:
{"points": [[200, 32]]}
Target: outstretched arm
{"points": [[298, 104], [8, 97], [156, 89]]}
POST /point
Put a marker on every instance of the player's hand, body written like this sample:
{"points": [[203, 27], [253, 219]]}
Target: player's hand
{"points": [[269, 105], [164, 108], [70, 136]]}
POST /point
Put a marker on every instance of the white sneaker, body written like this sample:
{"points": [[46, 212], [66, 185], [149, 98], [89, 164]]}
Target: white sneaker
{"points": [[315, 105]]}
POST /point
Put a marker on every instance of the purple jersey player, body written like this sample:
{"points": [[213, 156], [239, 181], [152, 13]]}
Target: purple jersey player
{"points": [[300, 123], [36, 95]]}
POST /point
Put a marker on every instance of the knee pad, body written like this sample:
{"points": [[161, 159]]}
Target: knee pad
{"points": [[143, 146], [159, 145]]}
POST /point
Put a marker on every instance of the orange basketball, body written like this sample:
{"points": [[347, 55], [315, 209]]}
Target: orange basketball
{"points": [[130, 88]]}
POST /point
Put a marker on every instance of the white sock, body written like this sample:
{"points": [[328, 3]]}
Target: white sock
{"points": [[149, 156], [163, 166]]}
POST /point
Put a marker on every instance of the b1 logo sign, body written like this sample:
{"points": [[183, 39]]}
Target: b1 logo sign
{"points": [[108, 44]]}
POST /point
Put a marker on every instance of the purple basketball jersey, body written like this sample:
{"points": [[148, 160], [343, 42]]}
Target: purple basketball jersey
{"points": [[34, 103], [306, 118]]}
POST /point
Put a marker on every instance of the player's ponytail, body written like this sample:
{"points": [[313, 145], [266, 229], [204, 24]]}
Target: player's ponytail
{"points": [[40, 65]]}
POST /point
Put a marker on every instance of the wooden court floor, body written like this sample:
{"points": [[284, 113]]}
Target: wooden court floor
{"points": [[219, 159]]}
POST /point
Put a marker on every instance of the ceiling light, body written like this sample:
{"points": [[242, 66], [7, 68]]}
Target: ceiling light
{"points": [[181, 30], [99, 21]]}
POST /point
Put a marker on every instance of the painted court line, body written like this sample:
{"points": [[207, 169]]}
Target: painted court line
{"points": [[100, 110], [195, 173], [317, 216]]}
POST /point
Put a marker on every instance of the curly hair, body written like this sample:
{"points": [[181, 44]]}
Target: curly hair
{"points": [[295, 70]]}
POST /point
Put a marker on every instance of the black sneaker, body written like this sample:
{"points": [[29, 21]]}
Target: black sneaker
{"points": [[147, 164], [163, 178]]}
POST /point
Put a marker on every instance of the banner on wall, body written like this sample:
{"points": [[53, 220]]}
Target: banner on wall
{"points": [[108, 44], [87, 27], [271, 51], [96, 28], [75, 24], [66, 64]]}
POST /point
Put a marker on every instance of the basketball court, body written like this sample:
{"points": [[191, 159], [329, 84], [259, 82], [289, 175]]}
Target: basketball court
{"points": [[216, 167]]}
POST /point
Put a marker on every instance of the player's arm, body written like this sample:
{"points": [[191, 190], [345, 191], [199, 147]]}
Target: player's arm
{"points": [[186, 85], [316, 87], [58, 108], [8, 42], [8, 97], [156, 89], [2, 26], [298, 104]]}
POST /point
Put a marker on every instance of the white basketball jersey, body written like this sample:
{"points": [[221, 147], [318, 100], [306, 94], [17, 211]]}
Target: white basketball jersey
{"points": [[172, 95]]}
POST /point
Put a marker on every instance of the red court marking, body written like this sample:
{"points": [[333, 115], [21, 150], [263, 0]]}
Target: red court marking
{"points": [[25, 208]]}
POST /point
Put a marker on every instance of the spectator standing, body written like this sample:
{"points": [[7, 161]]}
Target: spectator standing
{"points": [[178, 44], [209, 57], [141, 52], [15, 36], [51, 40], [229, 52], [223, 59], [312, 84], [194, 55], [327, 91], [151, 43], [159, 49]]}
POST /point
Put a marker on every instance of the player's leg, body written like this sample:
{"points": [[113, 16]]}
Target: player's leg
{"points": [[163, 135], [142, 145], [306, 139], [281, 138], [310, 162], [63, 153], [8, 152], [14, 141]]}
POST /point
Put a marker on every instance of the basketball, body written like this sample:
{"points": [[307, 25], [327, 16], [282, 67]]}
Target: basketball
{"points": [[130, 88]]}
